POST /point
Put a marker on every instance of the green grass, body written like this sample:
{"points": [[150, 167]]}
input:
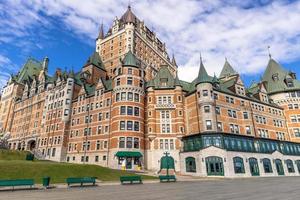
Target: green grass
{"points": [[12, 155], [14, 166]]}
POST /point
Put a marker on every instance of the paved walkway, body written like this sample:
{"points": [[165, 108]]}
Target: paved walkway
{"points": [[278, 188]]}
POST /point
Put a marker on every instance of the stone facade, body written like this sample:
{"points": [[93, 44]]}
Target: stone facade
{"points": [[126, 107]]}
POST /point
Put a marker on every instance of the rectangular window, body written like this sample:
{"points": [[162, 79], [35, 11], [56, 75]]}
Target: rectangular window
{"points": [[122, 142], [206, 109], [208, 125], [246, 115], [122, 125], [205, 93], [129, 142], [136, 126], [129, 80], [220, 126], [136, 144], [129, 125], [99, 130], [136, 97], [248, 130], [136, 111], [123, 110], [130, 96], [129, 110], [218, 112]]}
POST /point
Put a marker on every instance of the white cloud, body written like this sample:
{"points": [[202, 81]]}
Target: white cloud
{"points": [[239, 30]]}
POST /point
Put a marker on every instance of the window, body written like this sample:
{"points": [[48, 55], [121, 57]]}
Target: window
{"points": [[129, 71], [290, 166], [136, 111], [206, 109], [136, 143], [118, 82], [129, 110], [129, 142], [219, 126], [129, 125], [246, 115], [123, 110], [122, 142], [248, 130], [205, 93], [267, 165], [99, 130], [123, 96], [129, 80], [130, 96], [165, 121], [122, 125], [238, 165], [96, 158], [190, 164], [218, 110], [208, 125], [136, 126], [297, 132], [136, 97]]}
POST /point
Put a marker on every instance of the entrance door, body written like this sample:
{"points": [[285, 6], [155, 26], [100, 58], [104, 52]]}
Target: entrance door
{"points": [[279, 167], [128, 163], [214, 166], [254, 169]]}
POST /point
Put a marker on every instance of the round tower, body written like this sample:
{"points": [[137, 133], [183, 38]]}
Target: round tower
{"points": [[127, 135]]}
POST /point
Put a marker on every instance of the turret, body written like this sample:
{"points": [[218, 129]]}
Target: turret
{"points": [[205, 99]]}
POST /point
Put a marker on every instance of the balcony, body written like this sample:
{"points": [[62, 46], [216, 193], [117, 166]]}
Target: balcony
{"points": [[165, 106]]}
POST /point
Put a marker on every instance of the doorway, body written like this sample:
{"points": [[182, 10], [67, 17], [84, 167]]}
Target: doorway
{"points": [[279, 167], [254, 169], [214, 166]]}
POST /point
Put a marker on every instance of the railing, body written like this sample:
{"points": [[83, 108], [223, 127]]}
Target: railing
{"points": [[165, 106], [38, 154]]}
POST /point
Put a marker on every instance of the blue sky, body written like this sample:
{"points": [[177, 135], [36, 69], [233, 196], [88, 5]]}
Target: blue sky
{"points": [[65, 31]]}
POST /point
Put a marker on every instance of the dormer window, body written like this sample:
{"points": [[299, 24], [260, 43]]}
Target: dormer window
{"points": [[163, 81], [129, 71], [289, 82], [275, 77]]}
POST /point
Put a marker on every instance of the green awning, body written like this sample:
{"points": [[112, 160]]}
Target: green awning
{"points": [[128, 154]]}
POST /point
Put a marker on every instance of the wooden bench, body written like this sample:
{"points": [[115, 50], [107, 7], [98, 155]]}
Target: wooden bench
{"points": [[167, 178], [81, 180], [131, 179], [16, 182]]}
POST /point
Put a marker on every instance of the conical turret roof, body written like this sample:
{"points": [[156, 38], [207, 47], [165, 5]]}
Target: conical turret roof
{"points": [[227, 70], [130, 60], [203, 77]]}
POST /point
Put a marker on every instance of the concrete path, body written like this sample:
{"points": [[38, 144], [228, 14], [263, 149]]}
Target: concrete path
{"points": [[222, 189]]}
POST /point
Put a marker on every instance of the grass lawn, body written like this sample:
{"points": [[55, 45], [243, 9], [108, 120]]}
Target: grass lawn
{"points": [[19, 168], [12, 155]]}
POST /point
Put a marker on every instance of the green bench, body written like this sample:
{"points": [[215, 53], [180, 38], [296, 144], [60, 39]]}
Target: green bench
{"points": [[17, 182], [167, 178], [81, 180], [130, 179]]}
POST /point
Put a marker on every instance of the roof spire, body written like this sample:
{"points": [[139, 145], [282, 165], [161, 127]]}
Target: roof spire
{"points": [[270, 56], [101, 32], [200, 58], [173, 60]]}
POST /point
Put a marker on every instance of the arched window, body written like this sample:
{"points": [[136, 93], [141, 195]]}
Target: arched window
{"points": [[290, 166], [238, 164], [267, 165], [190, 164]]}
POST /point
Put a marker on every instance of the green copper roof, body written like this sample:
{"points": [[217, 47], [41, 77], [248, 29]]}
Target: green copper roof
{"points": [[227, 70], [275, 77], [203, 77], [254, 88], [31, 68], [130, 60], [163, 75], [95, 60]]}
